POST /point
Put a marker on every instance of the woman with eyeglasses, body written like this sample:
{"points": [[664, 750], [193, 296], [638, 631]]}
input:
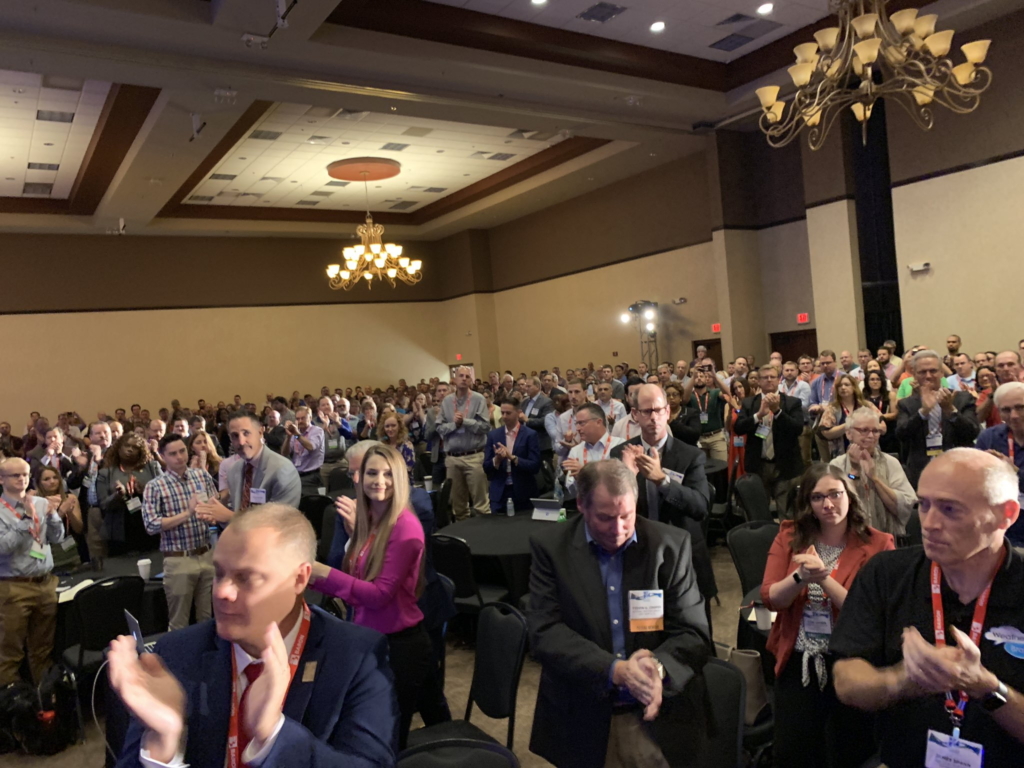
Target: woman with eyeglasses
{"points": [[879, 393], [812, 563], [885, 493]]}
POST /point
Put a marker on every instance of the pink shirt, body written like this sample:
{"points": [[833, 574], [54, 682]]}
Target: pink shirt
{"points": [[388, 603]]}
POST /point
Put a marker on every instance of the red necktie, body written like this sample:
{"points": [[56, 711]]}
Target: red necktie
{"points": [[251, 673], [246, 487]]}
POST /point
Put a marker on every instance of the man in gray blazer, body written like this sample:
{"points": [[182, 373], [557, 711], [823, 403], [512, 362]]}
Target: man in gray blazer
{"points": [[262, 477], [535, 408]]}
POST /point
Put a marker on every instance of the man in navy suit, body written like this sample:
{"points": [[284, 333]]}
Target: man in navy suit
{"points": [[335, 707], [511, 461]]}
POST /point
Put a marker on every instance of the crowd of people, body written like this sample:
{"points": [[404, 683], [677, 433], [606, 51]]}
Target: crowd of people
{"points": [[860, 455]]}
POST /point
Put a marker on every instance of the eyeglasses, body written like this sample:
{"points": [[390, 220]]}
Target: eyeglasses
{"points": [[1016, 409], [868, 431], [583, 422], [833, 496], [648, 412]]}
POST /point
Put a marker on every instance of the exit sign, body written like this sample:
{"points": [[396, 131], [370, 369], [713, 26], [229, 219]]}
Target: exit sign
{"points": [[716, 327], [802, 317], [458, 357]]}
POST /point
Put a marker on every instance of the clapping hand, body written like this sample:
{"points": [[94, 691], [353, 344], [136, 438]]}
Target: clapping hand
{"points": [[945, 397], [811, 566], [828, 419], [266, 694], [650, 466], [639, 675], [458, 419], [932, 669], [212, 511], [572, 466], [346, 509], [929, 399], [629, 456], [152, 694]]}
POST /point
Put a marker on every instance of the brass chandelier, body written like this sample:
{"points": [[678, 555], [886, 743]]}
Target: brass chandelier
{"points": [[871, 55], [373, 259]]}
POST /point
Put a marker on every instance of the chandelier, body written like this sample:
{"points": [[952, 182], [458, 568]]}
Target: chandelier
{"points": [[372, 259], [871, 55]]}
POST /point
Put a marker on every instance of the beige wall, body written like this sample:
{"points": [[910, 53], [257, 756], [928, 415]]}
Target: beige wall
{"points": [[99, 361], [969, 226], [574, 320], [835, 275], [785, 277], [738, 287]]}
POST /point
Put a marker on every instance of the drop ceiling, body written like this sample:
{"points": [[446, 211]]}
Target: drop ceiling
{"points": [[281, 162], [46, 124], [692, 27]]}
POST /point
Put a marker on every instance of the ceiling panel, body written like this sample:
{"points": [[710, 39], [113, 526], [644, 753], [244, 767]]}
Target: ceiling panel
{"points": [[61, 141], [691, 26], [288, 168]]}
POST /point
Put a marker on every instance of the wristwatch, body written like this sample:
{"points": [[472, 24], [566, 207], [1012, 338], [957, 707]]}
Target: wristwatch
{"points": [[796, 577], [996, 698]]}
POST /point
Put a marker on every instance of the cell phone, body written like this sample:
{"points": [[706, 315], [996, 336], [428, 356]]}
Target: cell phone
{"points": [[136, 631]]}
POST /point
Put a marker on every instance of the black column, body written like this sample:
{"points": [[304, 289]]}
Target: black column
{"points": [[875, 233]]}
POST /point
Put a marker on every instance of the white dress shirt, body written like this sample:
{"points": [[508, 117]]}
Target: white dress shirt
{"points": [[585, 453], [613, 408], [250, 756], [626, 428]]}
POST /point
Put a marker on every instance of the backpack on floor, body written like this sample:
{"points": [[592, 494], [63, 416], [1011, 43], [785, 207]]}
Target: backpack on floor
{"points": [[52, 723]]}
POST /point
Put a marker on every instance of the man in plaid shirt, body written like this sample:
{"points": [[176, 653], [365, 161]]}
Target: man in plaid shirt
{"points": [[169, 508]]}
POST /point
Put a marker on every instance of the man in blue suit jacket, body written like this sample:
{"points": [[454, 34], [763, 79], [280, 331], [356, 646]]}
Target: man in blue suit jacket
{"points": [[336, 708], [512, 471]]}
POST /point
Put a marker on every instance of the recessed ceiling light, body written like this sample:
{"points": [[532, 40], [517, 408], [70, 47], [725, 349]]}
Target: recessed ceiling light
{"points": [[243, 158], [394, 109], [538, 2], [47, 143], [765, 9], [658, 26], [10, 178]]}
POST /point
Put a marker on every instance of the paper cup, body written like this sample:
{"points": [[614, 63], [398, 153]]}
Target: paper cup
{"points": [[428, 483], [763, 616], [144, 567]]}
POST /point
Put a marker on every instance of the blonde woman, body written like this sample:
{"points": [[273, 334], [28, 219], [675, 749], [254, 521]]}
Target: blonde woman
{"points": [[202, 449], [396, 434], [50, 486], [382, 574]]}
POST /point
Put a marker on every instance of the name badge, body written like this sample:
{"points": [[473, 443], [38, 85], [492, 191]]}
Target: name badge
{"points": [[703, 417], [533, 411], [134, 504], [257, 495], [334, 444], [945, 751], [675, 477], [739, 441], [37, 551], [762, 431], [322, 491], [817, 622], [934, 441], [646, 610], [68, 543]]}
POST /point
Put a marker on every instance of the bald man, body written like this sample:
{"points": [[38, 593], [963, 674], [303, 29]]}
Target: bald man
{"points": [[28, 588], [463, 425]]}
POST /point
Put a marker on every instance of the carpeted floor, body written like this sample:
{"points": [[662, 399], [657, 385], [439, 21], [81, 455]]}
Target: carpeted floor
{"points": [[460, 671]]}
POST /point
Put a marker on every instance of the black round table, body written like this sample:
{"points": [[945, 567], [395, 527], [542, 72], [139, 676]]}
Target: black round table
{"points": [[501, 548], [714, 466]]}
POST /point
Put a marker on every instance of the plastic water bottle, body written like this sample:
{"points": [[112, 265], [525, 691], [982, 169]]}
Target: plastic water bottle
{"points": [[510, 508], [559, 493]]}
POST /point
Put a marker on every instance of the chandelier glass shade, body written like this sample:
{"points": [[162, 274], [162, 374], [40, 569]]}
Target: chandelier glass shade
{"points": [[869, 56]]}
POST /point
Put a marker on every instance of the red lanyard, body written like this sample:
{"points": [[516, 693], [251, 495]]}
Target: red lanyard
{"points": [[703, 406], [293, 663], [956, 708], [629, 425], [607, 445], [34, 530], [1010, 446]]}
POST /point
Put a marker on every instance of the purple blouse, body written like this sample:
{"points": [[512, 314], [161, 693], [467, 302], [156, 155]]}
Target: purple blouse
{"points": [[388, 603]]}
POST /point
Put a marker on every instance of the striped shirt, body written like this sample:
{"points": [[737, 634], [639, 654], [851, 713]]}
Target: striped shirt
{"points": [[168, 495]]}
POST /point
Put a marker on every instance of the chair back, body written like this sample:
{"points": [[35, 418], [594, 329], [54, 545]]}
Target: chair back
{"points": [[753, 500], [338, 480], [326, 537], [500, 650], [749, 544], [443, 510], [458, 753], [313, 508], [101, 606], [727, 690], [453, 559]]}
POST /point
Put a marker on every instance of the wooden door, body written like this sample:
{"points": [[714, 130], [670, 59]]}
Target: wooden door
{"points": [[792, 344]]}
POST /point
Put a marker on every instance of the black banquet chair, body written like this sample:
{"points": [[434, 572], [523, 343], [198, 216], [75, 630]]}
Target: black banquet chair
{"points": [[99, 611], [752, 499], [313, 508], [500, 651], [458, 753], [453, 558], [727, 691], [749, 544]]}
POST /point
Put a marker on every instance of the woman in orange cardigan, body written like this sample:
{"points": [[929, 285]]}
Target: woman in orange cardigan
{"points": [[812, 564]]}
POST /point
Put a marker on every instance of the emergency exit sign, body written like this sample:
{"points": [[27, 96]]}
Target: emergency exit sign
{"points": [[716, 327], [802, 318]]}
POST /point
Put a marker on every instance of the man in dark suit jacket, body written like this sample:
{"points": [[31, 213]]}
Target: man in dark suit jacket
{"points": [[773, 423], [336, 708], [672, 479], [934, 419], [604, 673], [536, 406], [513, 473]]}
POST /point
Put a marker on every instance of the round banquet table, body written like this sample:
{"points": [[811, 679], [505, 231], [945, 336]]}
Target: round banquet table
{"points": [[501, 548]]}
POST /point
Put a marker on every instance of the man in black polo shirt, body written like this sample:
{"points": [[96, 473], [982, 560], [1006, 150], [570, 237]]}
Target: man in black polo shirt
{"points": [[891, 658]]}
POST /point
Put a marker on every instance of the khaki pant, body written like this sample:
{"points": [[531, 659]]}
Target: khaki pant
{"points": [[776, 488], [629, 746], [94, 538], [28, 618], [469, 485], [188, 579], [715, 446]]}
